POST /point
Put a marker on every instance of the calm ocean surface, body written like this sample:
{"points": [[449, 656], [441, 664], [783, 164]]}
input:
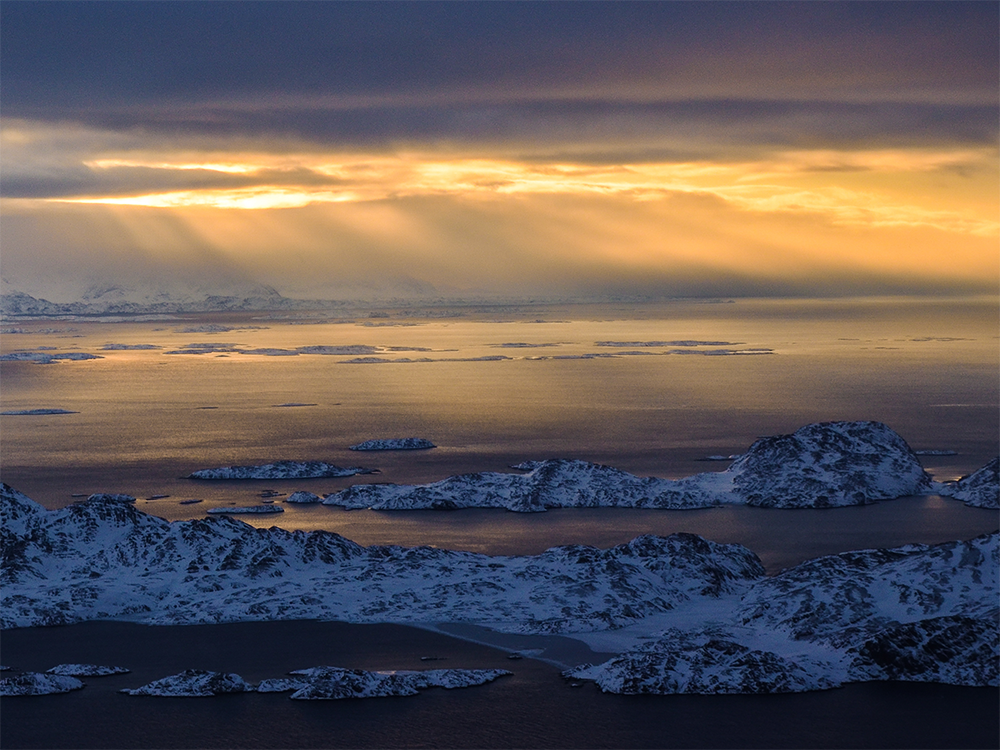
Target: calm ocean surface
{"points": [[533, 708], [145, 419]]}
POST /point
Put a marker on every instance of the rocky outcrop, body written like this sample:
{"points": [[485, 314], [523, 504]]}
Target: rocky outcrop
{"points": [[956, 650], [715, 666]]}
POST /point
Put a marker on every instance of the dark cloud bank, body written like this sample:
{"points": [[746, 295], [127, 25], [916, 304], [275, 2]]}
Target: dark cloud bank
{"points": [[380, 72]]}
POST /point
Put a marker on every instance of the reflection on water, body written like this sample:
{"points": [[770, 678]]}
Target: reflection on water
{"points": [[780, 537]]}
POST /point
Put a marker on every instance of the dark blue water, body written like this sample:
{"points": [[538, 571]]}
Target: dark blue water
{"points": [[533, 708]]}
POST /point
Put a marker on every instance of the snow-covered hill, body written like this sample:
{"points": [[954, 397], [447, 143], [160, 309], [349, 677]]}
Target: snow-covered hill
{"points": [[103, 558], [828, 464]]}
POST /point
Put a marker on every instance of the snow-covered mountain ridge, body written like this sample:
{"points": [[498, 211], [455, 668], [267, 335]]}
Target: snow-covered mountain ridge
{"points": [[822, 465], [103, 558], [689, 615]]}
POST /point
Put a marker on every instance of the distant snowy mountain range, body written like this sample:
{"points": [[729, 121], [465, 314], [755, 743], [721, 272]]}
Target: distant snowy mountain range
{"points": [[155, 298], [145, 299]]}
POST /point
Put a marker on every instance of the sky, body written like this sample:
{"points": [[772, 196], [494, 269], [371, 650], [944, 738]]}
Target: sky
{"points": [[466, 149]]}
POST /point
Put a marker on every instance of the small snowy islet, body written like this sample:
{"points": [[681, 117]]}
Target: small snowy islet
{"points": [[281, 470], [394, 444]]}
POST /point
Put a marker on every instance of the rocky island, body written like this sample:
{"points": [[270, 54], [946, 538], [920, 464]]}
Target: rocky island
{"points": [[281, 470], [394, 444], [824, 465]]}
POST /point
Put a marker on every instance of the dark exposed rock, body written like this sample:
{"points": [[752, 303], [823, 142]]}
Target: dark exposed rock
{"points": [[957, 650]]}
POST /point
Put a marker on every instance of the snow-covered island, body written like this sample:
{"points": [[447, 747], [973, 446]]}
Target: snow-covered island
{"points": [[47, 358], [317, 683], [193, 683], [335, 683], [303, 498], [394, 444], [281, 470], [823, 465]]}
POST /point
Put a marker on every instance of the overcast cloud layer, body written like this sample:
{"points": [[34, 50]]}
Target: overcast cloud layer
{"points": [[502, 148]]}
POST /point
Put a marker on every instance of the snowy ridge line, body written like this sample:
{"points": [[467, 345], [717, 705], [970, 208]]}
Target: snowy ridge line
{"points": [[823, 465], [103, 559]]}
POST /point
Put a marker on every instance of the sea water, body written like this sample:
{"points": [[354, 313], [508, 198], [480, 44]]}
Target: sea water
{"points": [[535, 707], [144, 419]]}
